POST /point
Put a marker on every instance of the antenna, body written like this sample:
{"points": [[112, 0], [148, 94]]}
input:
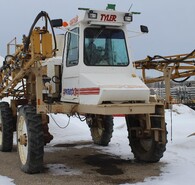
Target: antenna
{"points": [[130, 7]]}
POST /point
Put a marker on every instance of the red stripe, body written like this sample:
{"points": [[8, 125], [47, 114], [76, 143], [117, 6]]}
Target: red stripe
{"points": [[119, 115], [89, 91]]}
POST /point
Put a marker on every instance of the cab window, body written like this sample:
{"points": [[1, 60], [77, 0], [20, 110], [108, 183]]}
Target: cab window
{"points": [[105, 47], [72, 58]]}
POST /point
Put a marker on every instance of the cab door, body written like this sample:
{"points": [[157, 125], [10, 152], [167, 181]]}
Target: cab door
{"points": [[70, 77]]}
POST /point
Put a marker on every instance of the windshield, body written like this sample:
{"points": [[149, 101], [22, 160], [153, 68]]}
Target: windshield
{"points": [[105, 47]]}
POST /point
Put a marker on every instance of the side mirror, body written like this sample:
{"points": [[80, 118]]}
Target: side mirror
{"points": [[56, 23], [144, 29]]}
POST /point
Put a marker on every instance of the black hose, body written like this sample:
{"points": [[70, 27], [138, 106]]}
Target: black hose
{"points": [[40, 15], [5, 63], [11, 56], [53, 79], [181, 81], [170, 60]]}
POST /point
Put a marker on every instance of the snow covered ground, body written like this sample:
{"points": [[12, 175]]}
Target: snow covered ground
{"points": [[1, 60], [6, 181], [179, 158]]}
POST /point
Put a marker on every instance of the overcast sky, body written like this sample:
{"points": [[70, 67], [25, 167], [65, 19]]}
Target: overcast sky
{"points": [[171, 22]]}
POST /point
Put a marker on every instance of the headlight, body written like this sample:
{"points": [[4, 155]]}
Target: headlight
{"points": [[128, 17], [92, 15]]}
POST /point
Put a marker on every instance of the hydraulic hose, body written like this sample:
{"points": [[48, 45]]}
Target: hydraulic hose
{"points": [[39, 16], [170, 60], [181, 81]]}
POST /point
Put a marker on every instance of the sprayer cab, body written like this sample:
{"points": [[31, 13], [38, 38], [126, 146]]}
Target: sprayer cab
{"points": [[95, 79], [96, 65]]}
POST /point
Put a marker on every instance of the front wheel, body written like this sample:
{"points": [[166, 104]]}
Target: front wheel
{"points": [[30, 139], [143, 145], [101, 128]]}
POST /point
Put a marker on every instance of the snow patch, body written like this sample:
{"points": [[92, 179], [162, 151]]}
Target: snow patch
{"points": [[119, 145], [6, 181], [1, 59], [75, 130]]}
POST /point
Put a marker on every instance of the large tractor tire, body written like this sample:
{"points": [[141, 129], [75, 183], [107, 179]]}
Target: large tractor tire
{"points": [[30, 139], [101, 128], [4, 104], [144, 148], [6, 127]]}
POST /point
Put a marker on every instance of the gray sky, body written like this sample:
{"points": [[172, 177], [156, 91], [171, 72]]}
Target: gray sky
{"points": [[170, 22]]}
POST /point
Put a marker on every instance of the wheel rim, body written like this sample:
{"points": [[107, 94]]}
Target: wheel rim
{"points": [[22, 138]]}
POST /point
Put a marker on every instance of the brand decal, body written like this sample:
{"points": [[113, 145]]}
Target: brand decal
{"points": [[107, 17], [70, 91]]}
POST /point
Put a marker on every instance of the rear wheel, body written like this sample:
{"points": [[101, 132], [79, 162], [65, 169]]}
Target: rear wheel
{"points": [[143, 145], [6, 127], [4, 104], [30, 139], [101, 128]]}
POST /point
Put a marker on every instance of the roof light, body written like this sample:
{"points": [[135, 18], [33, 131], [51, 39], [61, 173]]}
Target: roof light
{"points": [[110, 7], [65, 24], [128, 17], [92, 15]]}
